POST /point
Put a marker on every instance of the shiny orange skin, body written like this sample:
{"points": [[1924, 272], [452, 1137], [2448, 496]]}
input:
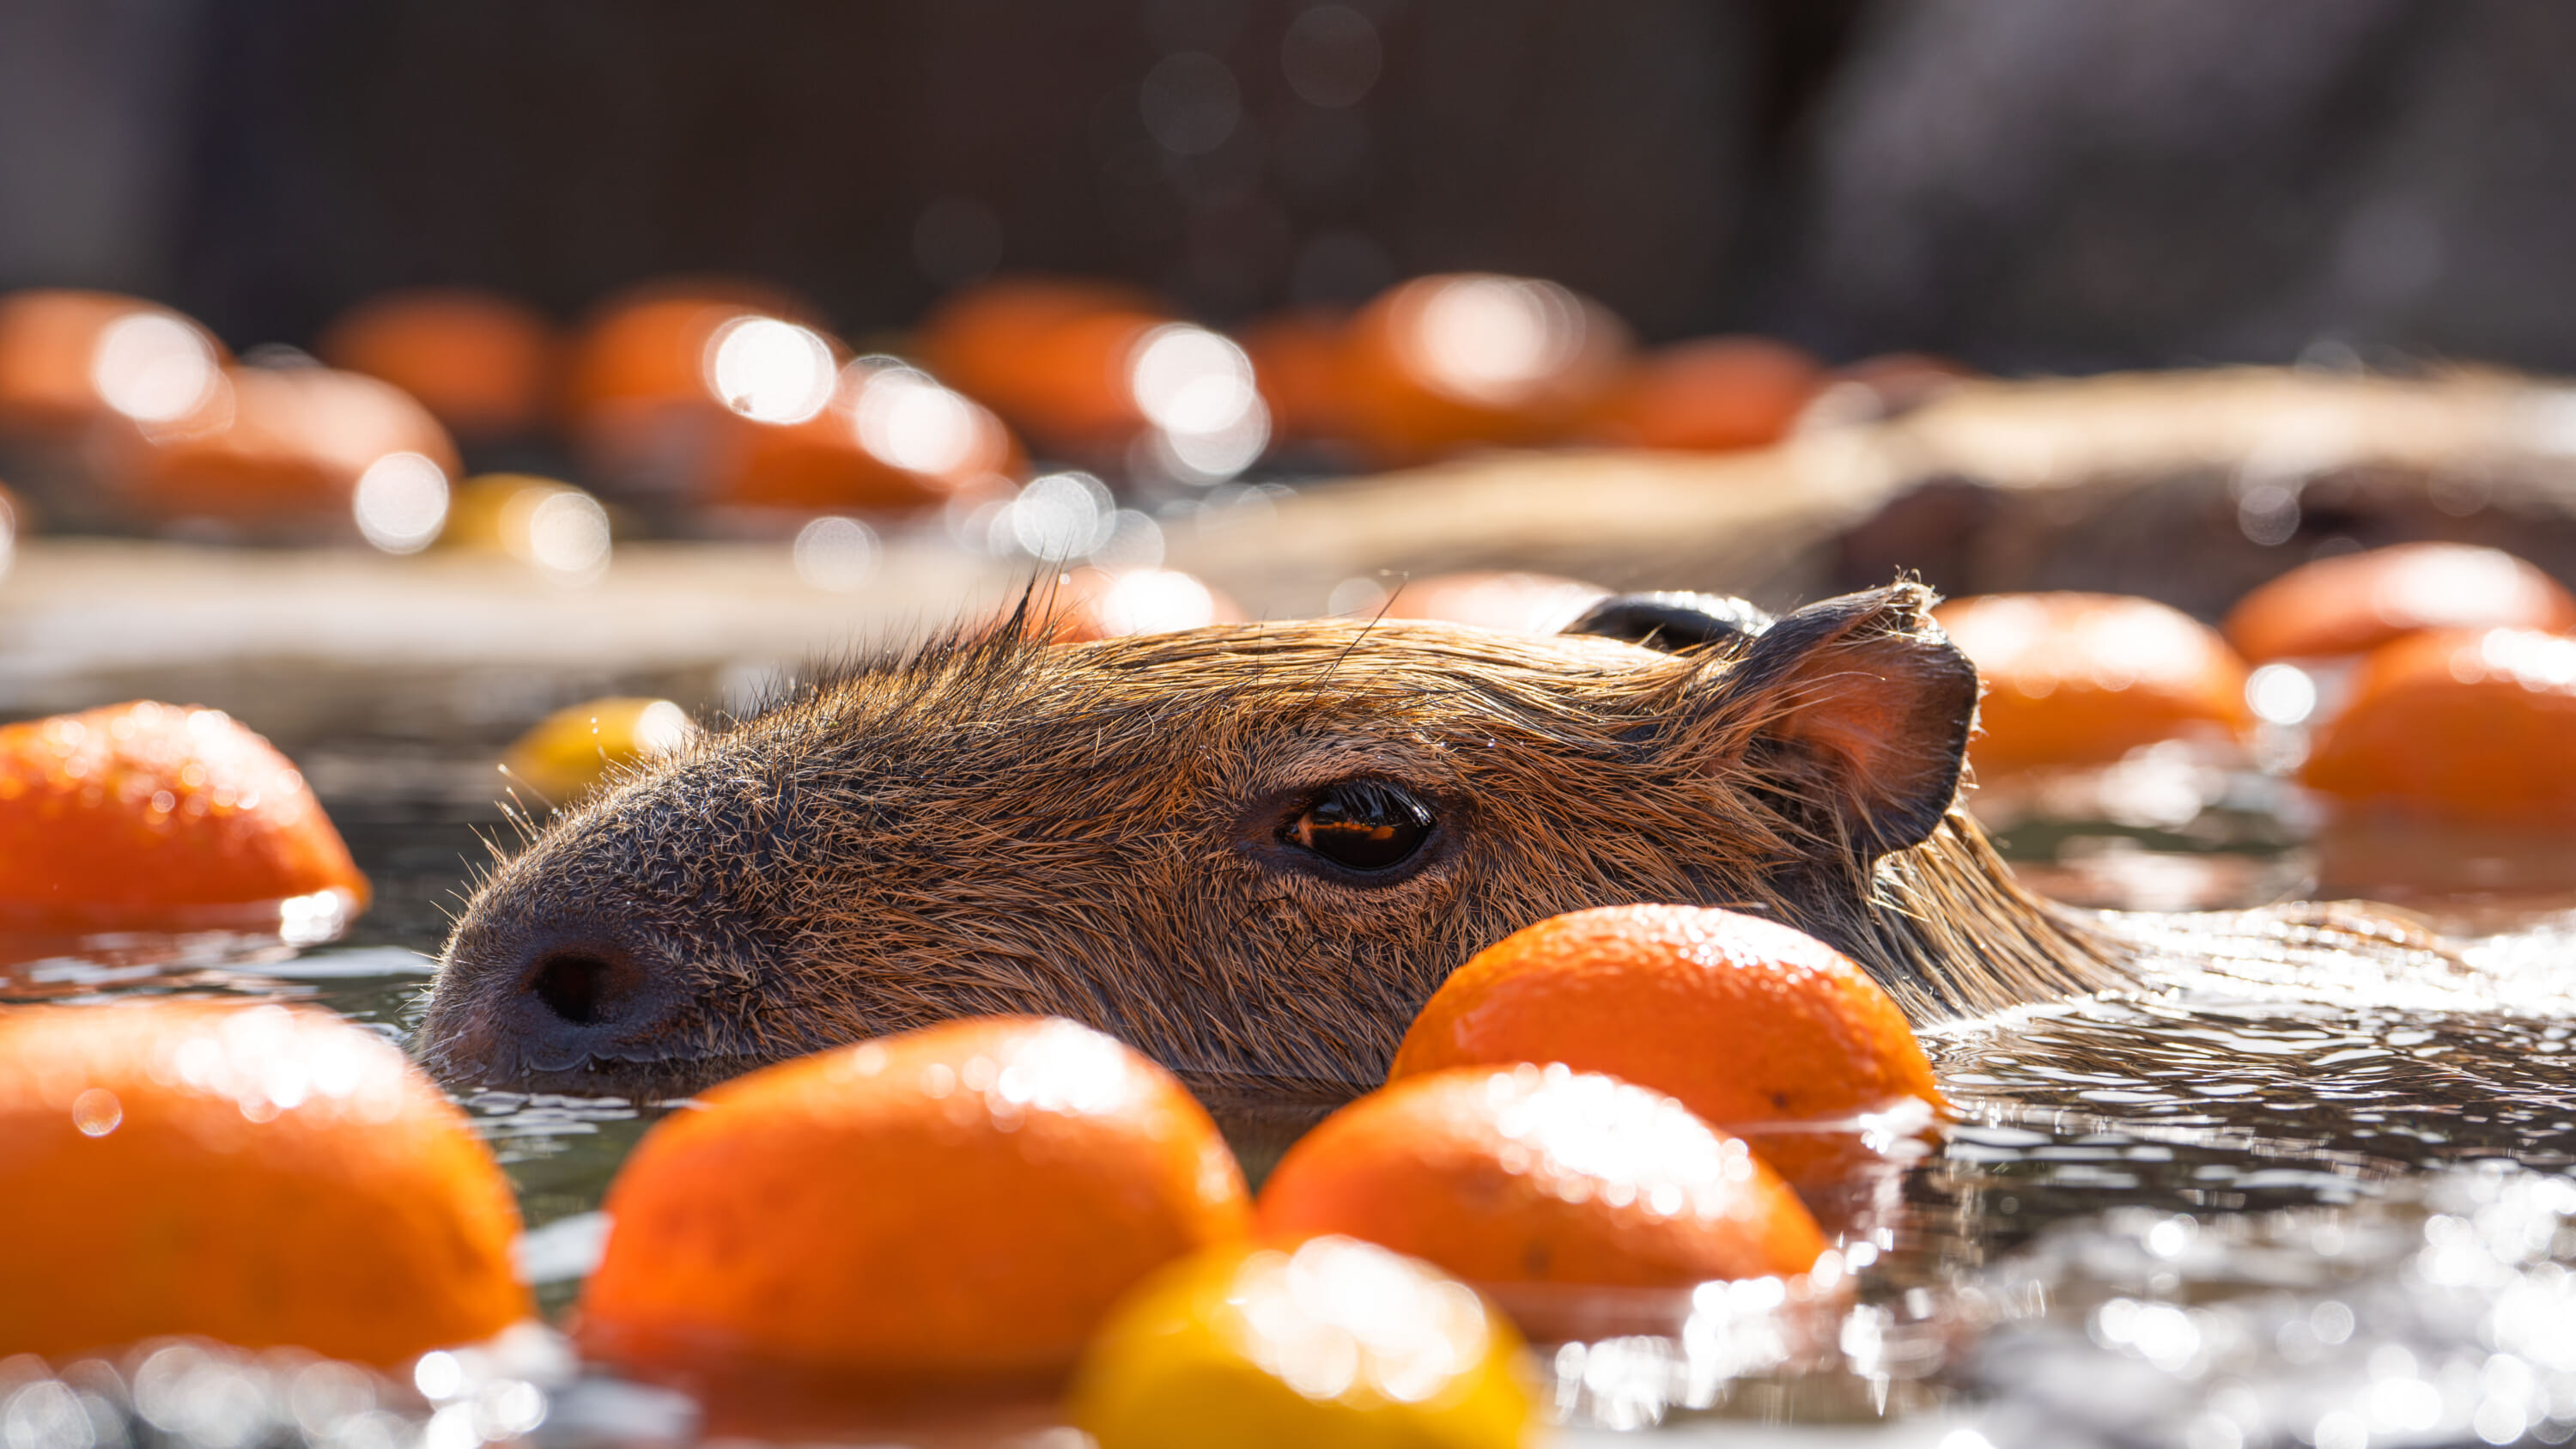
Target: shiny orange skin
{"points": [[141, 813], [1500, 1176], [2469, 725], [1750, 1024], [48, 338], [2082, 679], [884, 1214], [260, 1175], [2359, 601], [1050, 355], [1297, 363], [280, 445], [1712, 395], [483, 364], [1513, 602], [824, 463], [1402, 404]]}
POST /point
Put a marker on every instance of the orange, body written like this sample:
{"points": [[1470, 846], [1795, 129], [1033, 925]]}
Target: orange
{"points": [[156, 814], [2358, 601], [1092, 604], [67, 358], [1447, 362], [2078, 679], [1530, 1175], [1516, 603], [254, 1174], [958, 1204], [1297, 360], [2470, 725], [889, 439], [1052, 356], [276, 446], [483, 364], [640, 393], [1759, 1029], [1710, 395]]}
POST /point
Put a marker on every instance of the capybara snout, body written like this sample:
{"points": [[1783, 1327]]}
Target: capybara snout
{"points": [[1249, 849]]}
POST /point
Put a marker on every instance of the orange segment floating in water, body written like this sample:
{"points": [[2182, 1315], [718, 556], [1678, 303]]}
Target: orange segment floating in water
{"points": [[960, 1204], [253, 1174], [1757, 1028], [2081, 679], [2359, 601], [2469, 725], [1541, 1175], [149, 814]]}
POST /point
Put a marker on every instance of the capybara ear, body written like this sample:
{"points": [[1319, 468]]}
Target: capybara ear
{"points": [[1671, 622], [1852, 715]]}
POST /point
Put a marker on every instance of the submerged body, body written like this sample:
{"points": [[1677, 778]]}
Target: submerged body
{"points": [[1255, 851]]}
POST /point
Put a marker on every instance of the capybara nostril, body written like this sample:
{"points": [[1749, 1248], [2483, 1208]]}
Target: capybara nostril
{"points": [[583, 987]]}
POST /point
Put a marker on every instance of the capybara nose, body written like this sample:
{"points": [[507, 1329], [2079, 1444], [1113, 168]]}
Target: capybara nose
{"points": [[565, 1003], [584, 985]]}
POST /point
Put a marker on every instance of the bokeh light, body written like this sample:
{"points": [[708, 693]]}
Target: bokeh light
{"points": [[770, 371], [154, 368]]}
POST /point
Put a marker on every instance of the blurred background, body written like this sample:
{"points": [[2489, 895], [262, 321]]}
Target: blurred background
{"points": [[2018, 184]]}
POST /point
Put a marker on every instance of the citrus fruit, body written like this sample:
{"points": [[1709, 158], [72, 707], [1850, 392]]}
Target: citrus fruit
{"points": [[889, 438], [300, 446], [1541, 1175], [2358, 601], [70, 357], [1445, 362], [2463, 724], [2078, 679], [1297, 356], [483, 364], [570, 752], [1757, 1028], [560, 531], [1513, 602], [1332, 1341], [1707, 396], [957, 1204], [1054, 357], [254, 1174], [156, 814]]}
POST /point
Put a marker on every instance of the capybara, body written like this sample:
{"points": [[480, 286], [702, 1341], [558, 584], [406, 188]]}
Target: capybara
{"points": [[1256, 849]]}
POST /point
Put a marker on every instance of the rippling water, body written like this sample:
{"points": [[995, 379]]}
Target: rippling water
{"points": [[2196, 1220]]}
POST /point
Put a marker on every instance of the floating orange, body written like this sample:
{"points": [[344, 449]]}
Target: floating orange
{"points": [[482, 363], [254, 1174], [155, 814], [1759, 1029], [958, 1204], [1445, 362], [1710, 395], [281, 447], [2358, 601], [2477, 726], [68, 358], [2076, 679], [1052, 356], [1297, 357], [1541, 1175]]}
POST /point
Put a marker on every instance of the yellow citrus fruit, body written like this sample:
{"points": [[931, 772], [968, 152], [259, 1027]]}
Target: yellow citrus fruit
{"points": [[571, 751], [1333, 1341]]}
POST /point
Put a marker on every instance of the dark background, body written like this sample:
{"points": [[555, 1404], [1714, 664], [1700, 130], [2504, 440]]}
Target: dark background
{"points": [[2028, 184]]}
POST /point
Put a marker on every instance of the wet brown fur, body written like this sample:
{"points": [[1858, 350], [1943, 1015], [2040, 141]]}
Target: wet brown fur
{"points": [[995, 825]]}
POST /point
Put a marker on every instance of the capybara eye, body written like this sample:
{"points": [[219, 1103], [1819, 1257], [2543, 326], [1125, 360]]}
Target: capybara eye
{"points": [[1364, 825]]}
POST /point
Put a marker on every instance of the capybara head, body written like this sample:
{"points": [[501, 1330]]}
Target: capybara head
{"points": [[1248, 849]]}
